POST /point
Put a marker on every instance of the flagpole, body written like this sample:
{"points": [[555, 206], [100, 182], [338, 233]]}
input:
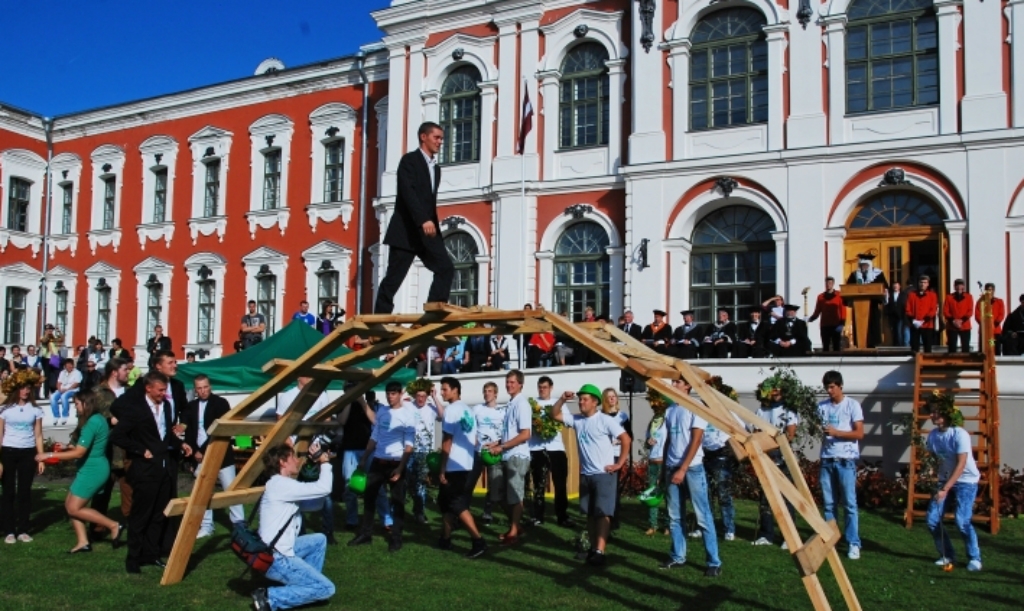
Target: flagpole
{"points": [[526, 219]]}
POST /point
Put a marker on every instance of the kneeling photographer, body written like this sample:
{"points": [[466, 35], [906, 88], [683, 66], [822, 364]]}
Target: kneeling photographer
{"points": [[298, 560]]}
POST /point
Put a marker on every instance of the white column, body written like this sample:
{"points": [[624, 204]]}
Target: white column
{"points": [[1015, 229], [511, 254], [678, 289], [805, 125], [431, 101], [647, 137], [546, 285], [616, 98], [488, 96], [549, 102], [835, 37], [382, 142], [507, 106], [529, 55], [616, 271], [834, 265], [949, 18], [957, 231], [396, 121], [776, 67], [679, 62], [984, 103], [415, 80], [782, 263], [1016, 10]]}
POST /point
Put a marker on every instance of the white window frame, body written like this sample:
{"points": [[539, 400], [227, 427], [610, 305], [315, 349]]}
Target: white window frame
{"points": [[112, 275], [163, 272], [70, 280], [23, 276], [278, 264], [219, 141], [218, 265], [167, 149], [340, 258], [107, 161], [65, 168], [272, 131], [341, 120], [28, 166]]}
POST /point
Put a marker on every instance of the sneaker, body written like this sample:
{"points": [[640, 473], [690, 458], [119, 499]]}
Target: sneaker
{"points": [[713, 571], [582, 555], [974, 565], [762, 541], [566, 523], [696, 535], [478, 549], [361, 539], [487, 518], [259, 600], [204, 532], [395, 545], [444, 544], [24, 538], [597, 558], [785, 545], [854, 553], [671, 564], [943, 561], [730, 536], [421, 518], [10, 539]]}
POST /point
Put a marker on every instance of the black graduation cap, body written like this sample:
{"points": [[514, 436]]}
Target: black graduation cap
{"points": [[660, 312], [726, 310], [789, 307], [755, 309], [866, 257], [687, 312]]}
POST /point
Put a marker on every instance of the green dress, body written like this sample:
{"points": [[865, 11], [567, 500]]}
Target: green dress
{"points": [[93, 468]]}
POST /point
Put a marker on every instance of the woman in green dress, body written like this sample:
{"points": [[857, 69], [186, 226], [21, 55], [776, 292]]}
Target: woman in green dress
{"points": [[90, 450]]}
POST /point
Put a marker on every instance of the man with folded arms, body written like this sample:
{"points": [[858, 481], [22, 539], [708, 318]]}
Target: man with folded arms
{"points": [[922, 306]]}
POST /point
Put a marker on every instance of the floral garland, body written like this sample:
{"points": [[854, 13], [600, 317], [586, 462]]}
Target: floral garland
{"points": [[717, 383], [945, 405], [796, 397], [658, 402], [419, 384], [544, 425], [22, 377]]}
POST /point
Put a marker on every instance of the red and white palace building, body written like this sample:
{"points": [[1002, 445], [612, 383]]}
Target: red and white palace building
{"points": [[684, 154]]}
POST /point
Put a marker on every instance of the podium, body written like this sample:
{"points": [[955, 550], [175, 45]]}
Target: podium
{"points": [[862, 296]]}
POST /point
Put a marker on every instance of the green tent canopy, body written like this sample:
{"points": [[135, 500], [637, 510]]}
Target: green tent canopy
{"points": [[243, 371]]}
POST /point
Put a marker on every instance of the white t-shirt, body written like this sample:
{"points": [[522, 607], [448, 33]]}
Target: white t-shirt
{"points": [[67, 378], [490, 422], [395, 431], [285, 400], [460, 423], [594, 437], [518, 417], [715, 439], [280, 502], [555, 444], [426, 417], [622, 418], [679, 422], [947, 445], [658, 435], [841, 416], [19, 426], [778, 416]]}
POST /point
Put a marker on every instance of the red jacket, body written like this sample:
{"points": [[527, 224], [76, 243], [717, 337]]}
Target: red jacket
{"points": [[831, 310], [998, 314], [958, 310], [923, 308]]}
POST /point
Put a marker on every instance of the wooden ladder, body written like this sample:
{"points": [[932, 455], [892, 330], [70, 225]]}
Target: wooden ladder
{"points": [[971, 379]]}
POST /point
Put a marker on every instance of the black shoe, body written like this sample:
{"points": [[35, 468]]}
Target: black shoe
{"points": [[478, 549], [596, 559], [360, 539], [395, 545], [671, 564], [566, 523], [331, 540], [132, 567], [116, 541], [259, 600], [420, 518], [583, 555], [445, 544], [352, 527], [81, 550], [713, 571]]}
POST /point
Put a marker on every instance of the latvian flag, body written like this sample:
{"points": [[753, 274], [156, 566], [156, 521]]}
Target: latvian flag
{"points": [[526, 122]]}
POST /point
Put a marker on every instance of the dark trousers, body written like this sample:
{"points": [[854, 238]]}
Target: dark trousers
{"points": [[955, 336], [434, 257], [921, 336], [1013, 343], [379, 476], [555, 463], [712, 350], [147, 523], [831, 339], [16, 501], [741, 350], [685, 351]]}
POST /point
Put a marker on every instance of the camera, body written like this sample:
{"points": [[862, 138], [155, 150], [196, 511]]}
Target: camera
{"points": [[319, 445]]}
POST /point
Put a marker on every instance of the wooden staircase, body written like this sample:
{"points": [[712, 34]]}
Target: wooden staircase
{"points": [[971, 378]]}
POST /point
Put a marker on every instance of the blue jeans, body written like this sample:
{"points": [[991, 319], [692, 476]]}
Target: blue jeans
{"points": [[62, 399], [719, 472], [694, 487], [962, 496], [839, 475], [350, 461], [301, 574]]}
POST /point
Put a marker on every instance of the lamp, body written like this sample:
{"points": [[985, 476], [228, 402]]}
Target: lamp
{"points": [[642, 255]]}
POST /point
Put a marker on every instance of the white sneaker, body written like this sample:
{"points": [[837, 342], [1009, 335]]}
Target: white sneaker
{"points": [[696, 534], [730, 537], [854, 553], [762, 541], [785, 545], [204, 533], [974, 565], [10, 539], [24, 538], [943, 561]]}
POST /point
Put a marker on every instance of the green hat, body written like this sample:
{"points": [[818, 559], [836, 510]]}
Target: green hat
{"points": [[590, 389]]}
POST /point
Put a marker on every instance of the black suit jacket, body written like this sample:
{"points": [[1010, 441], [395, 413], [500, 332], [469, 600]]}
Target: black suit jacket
{"points": [[216, 407], [896, 309], [152, 344], [759, 335], [416, 202], [694, 333], [635, 331], [782, 331], [136, 432], [663, 334], [726, 332]]}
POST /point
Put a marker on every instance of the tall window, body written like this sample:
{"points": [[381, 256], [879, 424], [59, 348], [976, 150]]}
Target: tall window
{"points": [[207, 310], [583, 101], [460, 116], [581, 270], [732, 263], [729, 70], [891, 55], [14, 325], [17, 205], [266, 297], [60, 295], [103, 311], [462, 251], [212, 192], [159, 195], [272, 179], [154, 300], [109, 203], [326, 284], [334, 167], [67, 190]]}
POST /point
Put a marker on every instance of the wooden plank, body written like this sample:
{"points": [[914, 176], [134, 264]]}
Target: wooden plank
{"points": [[233, 428], [317, 371], [813, 553], [651, 369], [219, 500], [357, 391], [427, 332]]}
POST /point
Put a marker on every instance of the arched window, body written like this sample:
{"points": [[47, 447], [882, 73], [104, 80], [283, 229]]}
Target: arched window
{"points": [[462, 251], [460, 116], [581, 270], [891, 55], [896, 209], [583, 104], [732, 264], [729, 70]]}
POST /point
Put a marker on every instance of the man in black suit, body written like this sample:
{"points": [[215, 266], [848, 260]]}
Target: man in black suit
{"points": [[896, 314], [631, 327], [720, 337], [157, 343], [789, 334], [414, 230], [686, 338], [145, 430], [751, 337], [199, 416]]}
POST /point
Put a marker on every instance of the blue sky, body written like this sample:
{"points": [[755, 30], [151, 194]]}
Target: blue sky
{"points": [[62, 56]]}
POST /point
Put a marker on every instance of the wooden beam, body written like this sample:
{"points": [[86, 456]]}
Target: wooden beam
{"points": [[427, 332], [234, 428], [219, 500], [813, 553], [317, 371], [652, 369]]}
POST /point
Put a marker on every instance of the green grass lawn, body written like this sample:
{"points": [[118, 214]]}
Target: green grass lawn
{"points": [[895, 572]]}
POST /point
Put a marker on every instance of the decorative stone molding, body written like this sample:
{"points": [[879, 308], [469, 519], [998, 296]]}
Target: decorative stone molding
{"points": [[894, 177], [208, 225], [20, 240], [155, 231], [329, 212], [267, 219], [63, 242], [104, 237], [726, 185]]}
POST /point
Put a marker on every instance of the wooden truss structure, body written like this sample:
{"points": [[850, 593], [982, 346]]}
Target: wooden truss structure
{"points": [[442, 323]]}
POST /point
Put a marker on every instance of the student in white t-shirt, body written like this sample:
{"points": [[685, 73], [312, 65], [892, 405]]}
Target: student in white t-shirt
{"points": [[515, 452], [958, 484], [843, 420], [781, 417], [490, 419], [285, 400], [548, 457], [460, 467], [719, 464], [428, 412], [21, 438]]}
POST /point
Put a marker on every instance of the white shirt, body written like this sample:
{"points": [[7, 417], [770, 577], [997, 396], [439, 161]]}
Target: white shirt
{"points": [[594, 436], [715, 439], [948, 445], [19, 425], [778, 416], [841, 416], [285, 400], [518, 417], [158, 414], [490, 422], [395, 431], [426, 417], [280, 502], [555, 444], [201, 432], [680, 422], [67, 378], [622, 418], [431, 164], [460, 423]]}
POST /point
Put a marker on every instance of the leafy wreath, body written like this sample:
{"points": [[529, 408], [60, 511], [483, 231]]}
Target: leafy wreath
{"points": [[717, 383], [419, 384], [658, 402], [796, 397], [944, 404], [22, 377], [544, 425]]}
